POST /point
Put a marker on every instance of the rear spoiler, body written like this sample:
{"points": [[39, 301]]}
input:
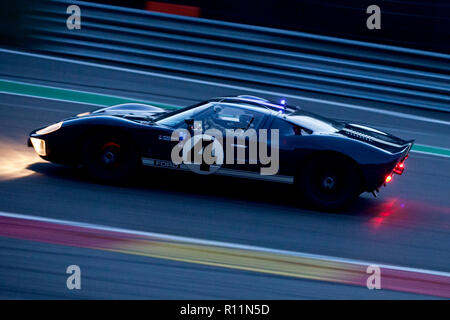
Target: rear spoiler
{"points": [[408, 147]]}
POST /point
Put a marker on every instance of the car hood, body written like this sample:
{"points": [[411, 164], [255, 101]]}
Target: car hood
{"points": [[138, 112]]}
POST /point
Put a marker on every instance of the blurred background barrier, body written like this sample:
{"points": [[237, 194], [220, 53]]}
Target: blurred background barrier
{"points": [[419, 24], [238, 52]]}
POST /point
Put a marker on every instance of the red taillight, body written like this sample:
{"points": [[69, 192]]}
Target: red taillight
{"points": [[399, 167], [388, 178]]}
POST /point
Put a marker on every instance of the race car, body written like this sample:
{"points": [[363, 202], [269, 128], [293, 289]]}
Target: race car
{"points": [[329, 162]]}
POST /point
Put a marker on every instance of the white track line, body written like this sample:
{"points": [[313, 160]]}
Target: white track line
{"points": [[229, 245], [228, 86]]}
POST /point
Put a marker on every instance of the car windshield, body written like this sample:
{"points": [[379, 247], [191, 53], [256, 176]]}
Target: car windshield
{"points": [[314, 122], [172, 119]]}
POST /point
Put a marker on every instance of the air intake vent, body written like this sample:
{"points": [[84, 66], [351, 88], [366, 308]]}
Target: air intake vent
{"points": [[358, 135]]}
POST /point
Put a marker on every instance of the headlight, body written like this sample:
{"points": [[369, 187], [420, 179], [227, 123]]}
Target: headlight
{"points": [[50, 128], [83, 114], [39, 146]]}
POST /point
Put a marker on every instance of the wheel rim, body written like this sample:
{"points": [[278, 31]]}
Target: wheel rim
{"points": [[328, 185], [110, 155]]}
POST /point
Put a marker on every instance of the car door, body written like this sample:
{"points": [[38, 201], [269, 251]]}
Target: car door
{"points": [[290, 140], [237, 132], [163, 144], [239, 126]]}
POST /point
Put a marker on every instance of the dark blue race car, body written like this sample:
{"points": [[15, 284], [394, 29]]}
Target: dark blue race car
{"points": [[330, 162]]}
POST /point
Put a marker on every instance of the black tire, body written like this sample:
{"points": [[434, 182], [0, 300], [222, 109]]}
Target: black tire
{"points": [[110, 159], [329, 181]]}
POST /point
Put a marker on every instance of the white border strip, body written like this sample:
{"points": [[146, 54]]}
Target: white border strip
{"points": [[167, 237]]}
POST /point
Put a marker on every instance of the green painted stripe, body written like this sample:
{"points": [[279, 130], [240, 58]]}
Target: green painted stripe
{"points": [[69, 95], [42, 91], [431, 149]]}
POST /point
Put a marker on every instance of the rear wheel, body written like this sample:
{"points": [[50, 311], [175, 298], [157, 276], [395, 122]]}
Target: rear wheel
{"points": [[329, 182], [110, 159]]}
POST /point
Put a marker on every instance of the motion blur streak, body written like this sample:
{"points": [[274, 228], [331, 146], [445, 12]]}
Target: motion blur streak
{"points": [[283, 263], [81, 97], [223, 86], [14, 160], [47, 92]]}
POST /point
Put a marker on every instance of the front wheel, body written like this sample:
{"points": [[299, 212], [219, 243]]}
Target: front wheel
{"points": [[329, 182], [110, 159]]}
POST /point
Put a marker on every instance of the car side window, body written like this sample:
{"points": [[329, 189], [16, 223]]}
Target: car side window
{"points": [[222, 117], [288, 129], [285, 128], [176, 120]]}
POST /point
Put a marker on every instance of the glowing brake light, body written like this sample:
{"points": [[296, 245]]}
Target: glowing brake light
{"points": [[388, 178], [399, 168]]}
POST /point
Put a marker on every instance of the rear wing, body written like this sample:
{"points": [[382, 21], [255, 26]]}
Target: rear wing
{"points": [[405, 151]]}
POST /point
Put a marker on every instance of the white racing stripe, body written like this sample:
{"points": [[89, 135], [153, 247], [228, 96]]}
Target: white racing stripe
{"points": [[220, 171], [235, 87], [218, 243]]}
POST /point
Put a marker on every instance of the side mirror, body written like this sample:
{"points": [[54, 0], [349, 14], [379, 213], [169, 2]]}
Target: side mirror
{"points": [[190, 125], [245, 121]]}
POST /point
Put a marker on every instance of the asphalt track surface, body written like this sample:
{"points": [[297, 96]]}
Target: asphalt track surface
{"points": [[407, 225]]}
